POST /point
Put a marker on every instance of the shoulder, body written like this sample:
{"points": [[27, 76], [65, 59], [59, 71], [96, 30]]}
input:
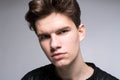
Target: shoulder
{"points": [[104, 75], [39, 73], [100, 74]]}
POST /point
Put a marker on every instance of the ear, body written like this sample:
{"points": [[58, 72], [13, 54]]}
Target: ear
{"points": [[82, 32]]}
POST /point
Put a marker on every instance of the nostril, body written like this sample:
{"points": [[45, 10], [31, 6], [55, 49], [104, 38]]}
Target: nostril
{"points": [[52, 50]]}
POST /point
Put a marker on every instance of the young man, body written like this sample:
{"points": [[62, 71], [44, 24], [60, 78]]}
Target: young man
{"points": [[58, 27]]}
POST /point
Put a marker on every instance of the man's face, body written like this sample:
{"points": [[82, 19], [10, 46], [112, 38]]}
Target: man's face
{"points": [[59, 38]]}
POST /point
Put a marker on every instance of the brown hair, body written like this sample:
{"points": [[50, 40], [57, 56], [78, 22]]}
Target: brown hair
{"points": [[39, 9]]}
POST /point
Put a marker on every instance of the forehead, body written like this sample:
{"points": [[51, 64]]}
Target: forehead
{"points": [[53, 22]]}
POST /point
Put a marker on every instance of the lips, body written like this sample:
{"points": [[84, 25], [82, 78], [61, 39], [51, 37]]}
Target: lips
{"points": [[58, 56]]}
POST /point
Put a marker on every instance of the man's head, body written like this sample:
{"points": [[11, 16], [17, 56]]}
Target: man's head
{"points": [[39, 9], [59, 29]]}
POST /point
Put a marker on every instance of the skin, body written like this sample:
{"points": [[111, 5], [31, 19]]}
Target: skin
{"points": [[60, 40]]}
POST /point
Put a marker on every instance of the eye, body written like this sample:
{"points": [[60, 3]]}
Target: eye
{"points": [[43, 37], [62, 31]]}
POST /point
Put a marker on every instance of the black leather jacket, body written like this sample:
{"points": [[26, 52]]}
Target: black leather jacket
{"points": [[48, 73]]}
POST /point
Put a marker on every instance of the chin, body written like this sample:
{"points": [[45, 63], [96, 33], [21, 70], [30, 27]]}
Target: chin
{"points": [[61, 64]]}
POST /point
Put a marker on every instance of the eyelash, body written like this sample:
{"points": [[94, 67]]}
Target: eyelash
{"points": [[43, 37], [47, 36], [62, 31]]}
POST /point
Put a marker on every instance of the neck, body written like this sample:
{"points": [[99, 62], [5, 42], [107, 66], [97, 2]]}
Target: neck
{"points": [[77, 70]]}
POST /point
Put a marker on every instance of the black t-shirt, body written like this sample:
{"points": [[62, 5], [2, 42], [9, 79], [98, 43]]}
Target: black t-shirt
{"points": [[48, 72]]}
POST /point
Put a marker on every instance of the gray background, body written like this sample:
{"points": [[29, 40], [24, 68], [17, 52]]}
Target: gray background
{"points": [[20, 51]]}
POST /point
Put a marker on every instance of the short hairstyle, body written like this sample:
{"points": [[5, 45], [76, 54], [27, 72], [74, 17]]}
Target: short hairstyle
{"points": [[39, 9]]}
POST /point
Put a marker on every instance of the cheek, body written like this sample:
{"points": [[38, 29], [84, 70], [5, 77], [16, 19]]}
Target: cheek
{"points": [[71, 42], [45, 47], [71, 39]]}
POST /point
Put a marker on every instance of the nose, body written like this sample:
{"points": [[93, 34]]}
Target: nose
{"points": [[55, 43]]}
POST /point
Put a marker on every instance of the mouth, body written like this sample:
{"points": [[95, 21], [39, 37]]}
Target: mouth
{"points": [[58, 56]]}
